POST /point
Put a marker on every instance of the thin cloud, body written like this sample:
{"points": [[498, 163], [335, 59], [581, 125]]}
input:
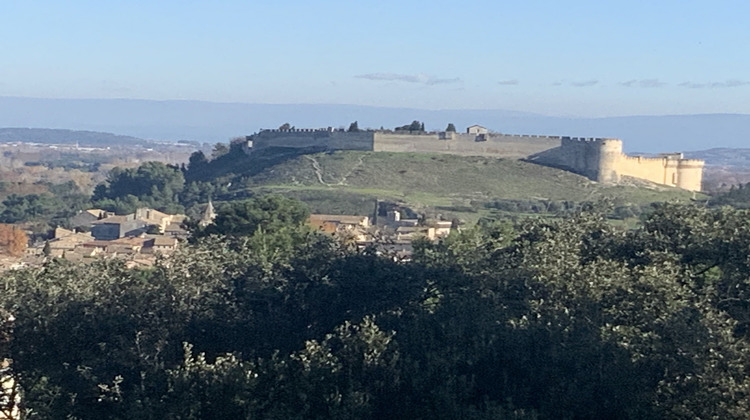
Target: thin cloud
{"points": [[693, 85], [715, 85], [409, 78], [651, 83], [508, 82], [731, 83], [584, 83], [643, 83], [443, 81]]}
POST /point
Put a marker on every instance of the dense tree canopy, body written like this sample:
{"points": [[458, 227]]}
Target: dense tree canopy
{"points": [[268, 213], [738, 196], [545, 319], [153, 184], [51, 209], [414, 126]]}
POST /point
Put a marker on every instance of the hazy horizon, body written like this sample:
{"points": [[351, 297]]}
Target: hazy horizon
{"points": [[213, 122], [519, 112], [580, 58]]}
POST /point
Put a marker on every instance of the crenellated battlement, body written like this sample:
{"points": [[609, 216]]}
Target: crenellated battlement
{"points": [[598, 158], [582, 139], [690, 162]]}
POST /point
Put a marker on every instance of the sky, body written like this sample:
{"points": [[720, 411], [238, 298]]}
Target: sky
{"points": [[560, 58]]}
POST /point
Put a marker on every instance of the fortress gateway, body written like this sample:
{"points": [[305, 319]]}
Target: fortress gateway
{"points": [[599, 159]]}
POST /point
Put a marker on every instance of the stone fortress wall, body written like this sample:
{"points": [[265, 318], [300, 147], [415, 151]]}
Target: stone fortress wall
{"points": [[599, 159], [324, 139]]}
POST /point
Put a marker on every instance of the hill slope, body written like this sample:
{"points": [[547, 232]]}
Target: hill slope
{"points": [[350, 181]]}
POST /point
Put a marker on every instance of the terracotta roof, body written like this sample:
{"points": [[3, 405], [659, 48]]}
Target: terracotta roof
{"points": [[164, 241], [72, 237], [130, 241], [174, 227], [338, 218]]}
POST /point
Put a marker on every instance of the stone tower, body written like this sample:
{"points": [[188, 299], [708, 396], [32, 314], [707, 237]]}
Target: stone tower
{"points": [[610, 151]]}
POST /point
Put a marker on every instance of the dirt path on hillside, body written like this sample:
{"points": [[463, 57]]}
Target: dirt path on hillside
{"points": [[360, 162], [319, 171]]}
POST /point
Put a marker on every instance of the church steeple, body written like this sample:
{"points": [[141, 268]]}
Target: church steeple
{"points": [[209, 214]]}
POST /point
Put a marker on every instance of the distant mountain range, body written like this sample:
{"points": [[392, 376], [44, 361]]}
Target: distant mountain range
{"points": [[219, 122], [61, 136], [723, 157]]}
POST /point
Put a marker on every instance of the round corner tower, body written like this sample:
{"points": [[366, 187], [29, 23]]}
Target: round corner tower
{"points": [[690, 174], [610, 152]]}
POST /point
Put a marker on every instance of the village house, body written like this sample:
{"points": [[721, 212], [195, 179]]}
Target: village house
{"points": [[143, 220], [82, 254], [130, 246], [441, 228], [476, 129], [433, 231], [331, 224], [393, 219], [161, 244], [158, 219], [65, 240], [175, 230], [114, 227], [86, 217]]}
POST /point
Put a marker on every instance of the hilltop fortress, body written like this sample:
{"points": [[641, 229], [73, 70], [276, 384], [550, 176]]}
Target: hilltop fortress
{"points": [[599, 159]]}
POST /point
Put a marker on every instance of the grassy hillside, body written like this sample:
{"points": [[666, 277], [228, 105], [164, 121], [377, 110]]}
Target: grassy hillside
{"points": [[454, 186]]}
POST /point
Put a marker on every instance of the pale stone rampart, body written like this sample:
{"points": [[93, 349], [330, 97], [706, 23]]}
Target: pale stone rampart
{"points": [[491, 145], [602, 160], [661, 170], [669, 169]]}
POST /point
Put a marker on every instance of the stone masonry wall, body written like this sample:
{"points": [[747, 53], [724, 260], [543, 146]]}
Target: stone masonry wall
{"points": [[313, 138], [495, 145]]}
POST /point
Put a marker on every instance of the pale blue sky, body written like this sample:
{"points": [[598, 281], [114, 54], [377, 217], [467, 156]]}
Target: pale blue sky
{"points": [[573, 58]]}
